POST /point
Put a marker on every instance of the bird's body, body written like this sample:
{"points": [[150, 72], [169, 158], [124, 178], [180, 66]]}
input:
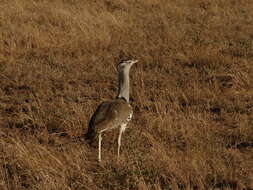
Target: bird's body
{"points": [[115, 113], [109, 115]]}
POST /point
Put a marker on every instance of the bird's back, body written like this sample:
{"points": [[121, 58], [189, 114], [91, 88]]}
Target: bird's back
{"points": [[109, 115]]}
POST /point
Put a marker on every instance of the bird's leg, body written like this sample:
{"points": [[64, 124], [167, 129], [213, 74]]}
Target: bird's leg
{"points": [[121, 130], [99, 146]]}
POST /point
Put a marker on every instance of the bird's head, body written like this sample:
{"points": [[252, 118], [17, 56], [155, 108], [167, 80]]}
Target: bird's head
{"points": [[126, 64]]}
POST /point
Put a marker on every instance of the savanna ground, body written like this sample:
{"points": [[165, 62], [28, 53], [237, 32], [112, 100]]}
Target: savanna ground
{"points": [[192, 93]]}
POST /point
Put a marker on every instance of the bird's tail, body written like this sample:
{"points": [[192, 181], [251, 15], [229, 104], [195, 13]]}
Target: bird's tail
{"points": [[90, 135]]}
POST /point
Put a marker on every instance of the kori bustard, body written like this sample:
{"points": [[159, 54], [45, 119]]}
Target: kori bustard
{"points": [[115, 113]]}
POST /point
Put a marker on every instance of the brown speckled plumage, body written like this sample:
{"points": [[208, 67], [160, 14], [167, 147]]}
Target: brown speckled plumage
{"points": [[109, 115]]}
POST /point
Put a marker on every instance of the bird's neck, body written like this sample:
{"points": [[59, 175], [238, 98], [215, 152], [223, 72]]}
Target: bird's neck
{"points": [[123, 91]]}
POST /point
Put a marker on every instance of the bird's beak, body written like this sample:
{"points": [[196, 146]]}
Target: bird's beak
{"points": [[134, 61]]}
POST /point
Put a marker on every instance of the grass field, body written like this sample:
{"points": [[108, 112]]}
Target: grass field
{"points": [[192, 94]]}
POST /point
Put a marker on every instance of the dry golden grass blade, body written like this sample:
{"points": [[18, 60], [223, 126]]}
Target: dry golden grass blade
{"points": [[192, 93]]}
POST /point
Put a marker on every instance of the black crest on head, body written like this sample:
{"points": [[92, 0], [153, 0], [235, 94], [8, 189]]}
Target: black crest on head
{"points": [[123, 57]]}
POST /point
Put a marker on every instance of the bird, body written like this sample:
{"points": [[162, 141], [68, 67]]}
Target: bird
{"points": [[113, 114]]}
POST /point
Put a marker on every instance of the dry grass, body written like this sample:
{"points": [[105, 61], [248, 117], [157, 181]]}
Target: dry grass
{"points": [[192, 93]]}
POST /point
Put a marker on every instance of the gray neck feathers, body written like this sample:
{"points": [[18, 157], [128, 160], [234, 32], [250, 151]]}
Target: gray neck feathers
{"points": [[123, 91]]}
